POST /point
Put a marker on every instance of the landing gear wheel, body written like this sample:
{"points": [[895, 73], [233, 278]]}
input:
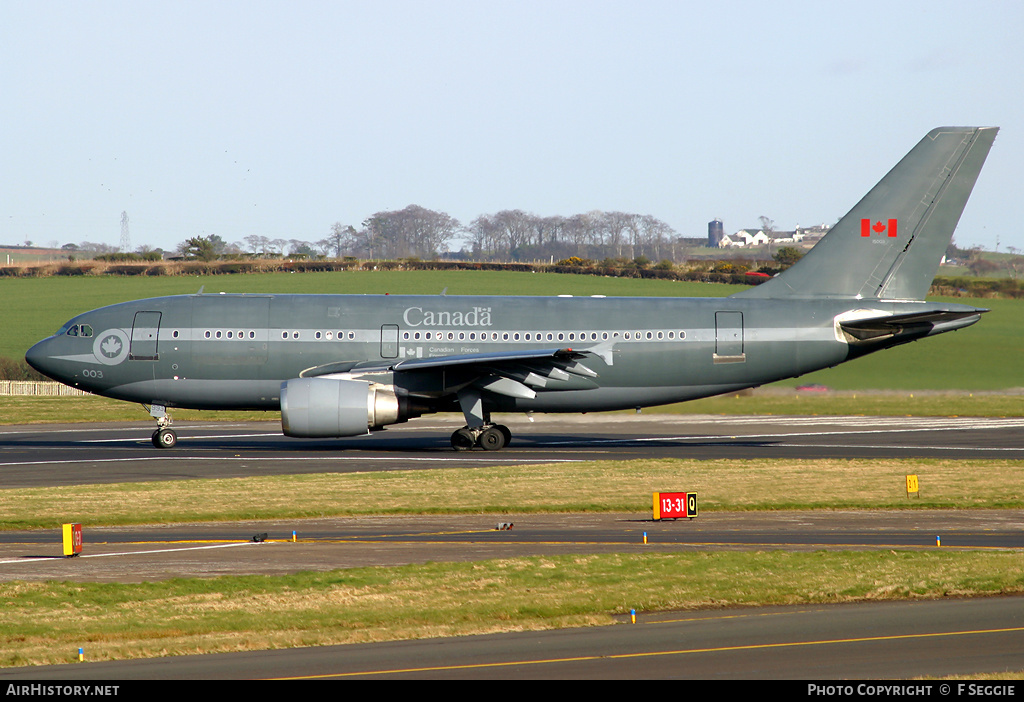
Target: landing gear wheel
{"points": [[165, 438], [506, 432], [463, 440], [492, 439]]}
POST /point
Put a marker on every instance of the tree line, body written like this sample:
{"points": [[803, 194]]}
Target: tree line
{"points": [[508, 235]]}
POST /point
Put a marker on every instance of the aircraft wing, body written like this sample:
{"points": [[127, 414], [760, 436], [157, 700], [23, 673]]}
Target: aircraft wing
{"points": [[499, 357], [511, 373]]}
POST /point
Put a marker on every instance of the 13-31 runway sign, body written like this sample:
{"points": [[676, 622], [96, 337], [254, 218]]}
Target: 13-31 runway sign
{"points": [[675, 505]]}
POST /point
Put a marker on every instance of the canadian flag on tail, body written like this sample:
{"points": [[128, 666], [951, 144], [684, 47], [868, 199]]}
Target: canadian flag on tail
{"points": [[867, 228]]}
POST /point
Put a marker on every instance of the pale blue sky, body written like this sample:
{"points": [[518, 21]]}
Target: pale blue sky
{"points": [[281, 118]]}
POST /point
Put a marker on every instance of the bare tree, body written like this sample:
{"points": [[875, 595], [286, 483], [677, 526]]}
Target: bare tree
{"points": [[257, 244], [341, 238], [413, 231]]}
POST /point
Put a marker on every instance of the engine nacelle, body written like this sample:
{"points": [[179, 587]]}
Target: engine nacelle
{"points": [[328, 407]]}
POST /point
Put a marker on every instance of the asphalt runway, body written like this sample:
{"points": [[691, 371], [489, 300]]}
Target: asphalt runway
{"points": [[42, 455], [891, 640]]}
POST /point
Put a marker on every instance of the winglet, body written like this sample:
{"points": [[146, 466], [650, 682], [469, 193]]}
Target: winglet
{"points": [[890, 244]]}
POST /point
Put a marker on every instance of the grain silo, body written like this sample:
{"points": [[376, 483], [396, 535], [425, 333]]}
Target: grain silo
{"points": [[716, 231]]}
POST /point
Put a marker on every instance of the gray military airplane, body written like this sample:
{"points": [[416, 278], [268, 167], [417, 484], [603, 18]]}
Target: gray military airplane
{"points": [[344, 365]]}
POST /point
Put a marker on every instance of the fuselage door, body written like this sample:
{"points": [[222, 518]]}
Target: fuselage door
{"points": [[729, 337], [389, 341], [145, 332]]}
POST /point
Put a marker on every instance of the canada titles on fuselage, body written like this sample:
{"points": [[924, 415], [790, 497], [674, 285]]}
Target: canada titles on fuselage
{"points": [[419, 317]]}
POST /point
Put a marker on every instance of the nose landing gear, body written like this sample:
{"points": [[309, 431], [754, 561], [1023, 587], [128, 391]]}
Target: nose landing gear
{"points": [[164, 436]]}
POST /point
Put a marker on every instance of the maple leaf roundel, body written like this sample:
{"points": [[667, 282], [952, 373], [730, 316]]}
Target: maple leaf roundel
{"points": [[110, 347]]}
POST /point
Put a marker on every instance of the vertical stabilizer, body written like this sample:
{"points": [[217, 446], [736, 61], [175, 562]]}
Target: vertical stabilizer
{"points": [[890, 244]]}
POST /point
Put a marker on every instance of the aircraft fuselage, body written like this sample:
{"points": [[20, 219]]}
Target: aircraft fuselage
{"points": [[218, 351]]}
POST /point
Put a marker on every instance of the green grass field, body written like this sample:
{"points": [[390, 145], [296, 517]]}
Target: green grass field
{"points": [[983, 357], [601, 486]]}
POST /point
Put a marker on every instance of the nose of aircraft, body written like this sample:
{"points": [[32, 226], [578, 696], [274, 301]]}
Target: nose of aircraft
{"points": [[38, 357]]}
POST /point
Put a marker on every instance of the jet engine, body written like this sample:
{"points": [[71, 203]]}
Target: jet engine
{"points": [[329, 407]]}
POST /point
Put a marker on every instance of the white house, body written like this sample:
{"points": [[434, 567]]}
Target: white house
{"points": [[745, 237]]}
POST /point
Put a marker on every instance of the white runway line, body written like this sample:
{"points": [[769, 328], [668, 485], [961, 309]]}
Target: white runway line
{"points": [[129, 553]]}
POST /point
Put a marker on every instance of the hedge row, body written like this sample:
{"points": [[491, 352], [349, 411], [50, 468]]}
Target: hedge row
{"points": [[948, 287]]}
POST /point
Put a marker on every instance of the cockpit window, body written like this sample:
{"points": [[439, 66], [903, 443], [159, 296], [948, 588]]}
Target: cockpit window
{"points": [[75, 330]]}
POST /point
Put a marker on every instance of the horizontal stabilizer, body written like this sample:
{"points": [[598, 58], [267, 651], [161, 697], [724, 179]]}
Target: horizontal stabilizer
{"points": [[916, 325]]}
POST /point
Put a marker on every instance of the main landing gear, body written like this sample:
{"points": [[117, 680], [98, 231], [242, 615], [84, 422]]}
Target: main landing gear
{"points": [[490, 437], [479, 431]]}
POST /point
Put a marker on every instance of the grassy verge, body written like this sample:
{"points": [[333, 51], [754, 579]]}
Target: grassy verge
{"points": [[782, 401], [600, 486], [21, 409], [47, 622], [777, 401]]}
